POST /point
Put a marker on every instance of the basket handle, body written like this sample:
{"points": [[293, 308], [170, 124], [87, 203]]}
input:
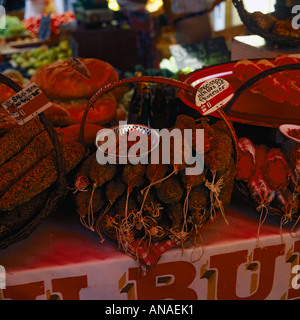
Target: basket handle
{"points": [[249, 83], [62, 185], [156, 79]]}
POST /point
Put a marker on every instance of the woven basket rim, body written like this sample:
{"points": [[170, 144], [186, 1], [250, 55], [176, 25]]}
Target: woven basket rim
{"points": [[152, 79]]}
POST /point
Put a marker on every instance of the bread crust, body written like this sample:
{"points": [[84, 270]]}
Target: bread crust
{"points": [[60, 81]]}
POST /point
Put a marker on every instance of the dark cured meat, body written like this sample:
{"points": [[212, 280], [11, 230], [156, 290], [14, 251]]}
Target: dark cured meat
{"points": [[265, 64], [278, 87], [288, 202], [170, 191], [245, 167], [260, 190], [261, 152], [219, 157], [273, 89], [284, 60], [208, 137], [276, 170]]}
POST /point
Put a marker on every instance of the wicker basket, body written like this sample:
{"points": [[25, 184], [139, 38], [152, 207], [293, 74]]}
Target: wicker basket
{"points": [[166, 81], [268, 36], [22, 220]]}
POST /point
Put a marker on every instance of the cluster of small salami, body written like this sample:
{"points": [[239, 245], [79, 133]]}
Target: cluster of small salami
{"points": [[145, 203], [271, 177]]}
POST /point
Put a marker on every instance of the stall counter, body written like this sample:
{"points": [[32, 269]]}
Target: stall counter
{"points": [[63, 260]]}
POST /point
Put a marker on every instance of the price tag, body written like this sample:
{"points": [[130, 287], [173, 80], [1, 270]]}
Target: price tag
{"points": [[45, 28], [212, 95], [26, 104], [79, 67]]}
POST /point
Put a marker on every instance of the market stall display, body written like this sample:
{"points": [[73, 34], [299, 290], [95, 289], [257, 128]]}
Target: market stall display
{"points": [[142, 206], [32, 24], [145, 209], [13, 28], [33, 59], [25, 33]]}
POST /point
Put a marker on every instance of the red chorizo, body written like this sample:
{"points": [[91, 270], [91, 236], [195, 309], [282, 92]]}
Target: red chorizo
{"points": [[245, 167], [260, 190], [276, 170]]}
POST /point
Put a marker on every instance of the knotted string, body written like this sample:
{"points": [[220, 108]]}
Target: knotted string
{"points": [[260, 209], [215, 190]]}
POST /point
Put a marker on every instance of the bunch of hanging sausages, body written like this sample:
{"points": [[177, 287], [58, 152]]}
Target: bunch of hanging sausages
{"points": [[137, 202], [271, 177]]}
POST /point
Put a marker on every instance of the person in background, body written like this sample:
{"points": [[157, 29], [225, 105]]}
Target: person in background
{"points": [[190, 19], [141, 22]]}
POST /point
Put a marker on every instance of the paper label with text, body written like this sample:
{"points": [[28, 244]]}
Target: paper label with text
{"points": [[212, 95], [26, 104]]}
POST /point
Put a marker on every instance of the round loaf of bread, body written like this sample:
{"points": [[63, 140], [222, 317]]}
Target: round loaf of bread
{"points": [[60, 81]]}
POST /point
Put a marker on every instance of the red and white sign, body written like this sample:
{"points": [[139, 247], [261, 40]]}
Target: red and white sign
{"points": [[212, 95], [26, 104], [63, 260]]}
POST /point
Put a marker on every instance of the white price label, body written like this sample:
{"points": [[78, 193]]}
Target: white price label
{"points": [[26, 104]]}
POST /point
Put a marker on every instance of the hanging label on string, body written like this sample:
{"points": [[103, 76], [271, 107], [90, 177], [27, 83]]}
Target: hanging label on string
{"points": [[26, 104], [212, 95], [79, 67]]}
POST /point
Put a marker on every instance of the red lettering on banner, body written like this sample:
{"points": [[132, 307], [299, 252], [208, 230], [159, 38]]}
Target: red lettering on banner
{"points": [[228, 264], [28, 291], [181, 273], [69, 287], [293, 293]]}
